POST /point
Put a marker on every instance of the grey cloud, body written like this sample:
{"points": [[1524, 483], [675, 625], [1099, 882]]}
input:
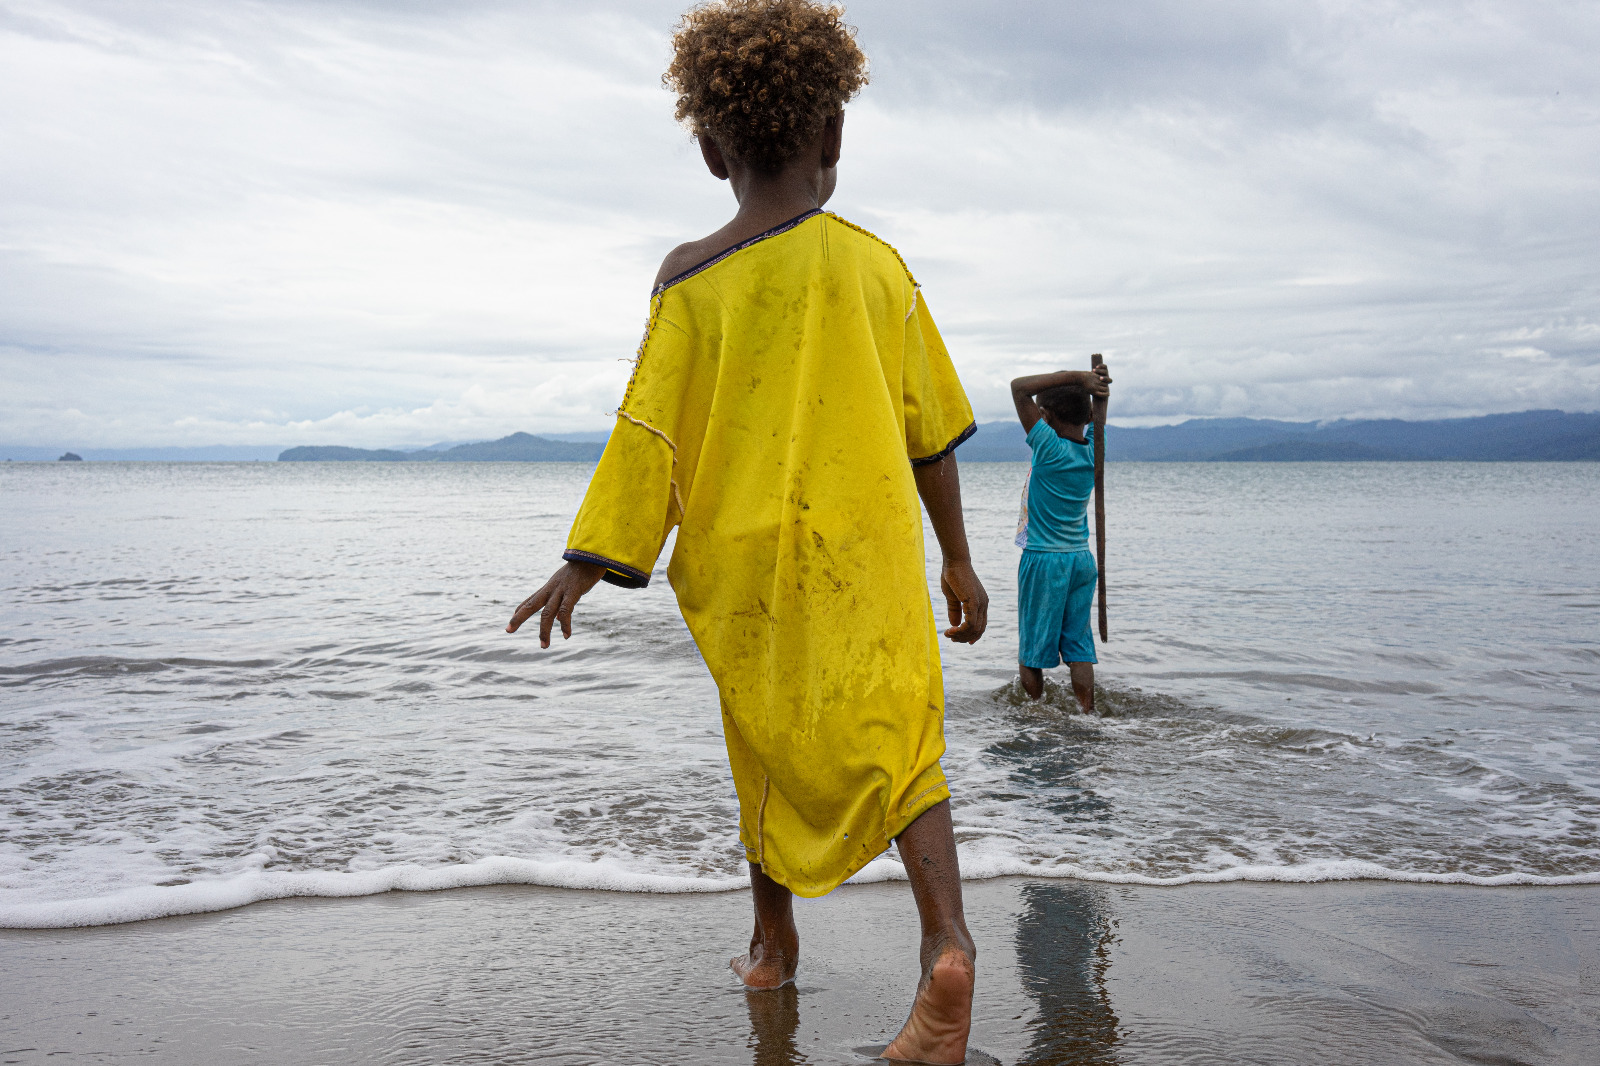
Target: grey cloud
{"points": [[1050, 54], [337, 221]]}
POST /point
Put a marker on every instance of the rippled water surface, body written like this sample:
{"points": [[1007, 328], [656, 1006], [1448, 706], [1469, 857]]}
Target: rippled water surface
{"points": [[221, 683]]}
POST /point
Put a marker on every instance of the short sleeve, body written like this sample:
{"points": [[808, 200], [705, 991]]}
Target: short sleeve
{"points": [[634, 498], [938, 416], [1042, 441], [629, 508]]}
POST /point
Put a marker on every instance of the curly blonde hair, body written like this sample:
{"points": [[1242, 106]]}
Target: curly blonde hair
{"points": [[761, 76]]}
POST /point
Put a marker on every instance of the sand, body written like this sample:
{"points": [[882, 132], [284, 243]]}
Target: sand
{"points": [[1356, 972]]}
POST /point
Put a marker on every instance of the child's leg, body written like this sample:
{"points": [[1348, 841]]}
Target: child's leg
{"points": [[1083, 685], [774, 954], [1041, 600], [941, 1016], [1077, 639], [1032, 680]]}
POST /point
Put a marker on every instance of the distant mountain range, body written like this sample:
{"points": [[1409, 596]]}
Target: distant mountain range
{"points": [[1528, 435], [517, 448], [233, 453]]}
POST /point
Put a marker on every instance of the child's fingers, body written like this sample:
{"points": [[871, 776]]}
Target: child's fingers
{"points": [[559, 609], [525, 610], [952, 602], [969, 631], [548, 616], [965, 623], [969, 617]]}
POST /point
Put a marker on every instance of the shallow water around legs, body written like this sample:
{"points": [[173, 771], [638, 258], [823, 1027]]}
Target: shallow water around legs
{"points": [[230, 682]]}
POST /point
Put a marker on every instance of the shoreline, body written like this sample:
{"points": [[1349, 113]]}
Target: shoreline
{"points": [[250, 888], [1069, 971]]}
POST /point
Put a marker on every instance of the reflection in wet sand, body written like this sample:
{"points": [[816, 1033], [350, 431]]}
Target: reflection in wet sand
{"points": [[1361, 973], [774, 1018], [1063, 940]]}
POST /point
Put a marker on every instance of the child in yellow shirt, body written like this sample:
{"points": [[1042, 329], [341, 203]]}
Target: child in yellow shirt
{"points": [[791, 402]]}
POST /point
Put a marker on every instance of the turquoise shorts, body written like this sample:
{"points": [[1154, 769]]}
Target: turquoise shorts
{"points": [[1055, 592]]}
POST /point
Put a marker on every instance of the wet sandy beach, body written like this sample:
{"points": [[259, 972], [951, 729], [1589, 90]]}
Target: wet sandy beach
{"points": [[1358, 972]]}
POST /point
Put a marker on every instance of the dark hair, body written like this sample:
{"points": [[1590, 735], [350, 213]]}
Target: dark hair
{"points": [[1069, 403], [761, 76]]}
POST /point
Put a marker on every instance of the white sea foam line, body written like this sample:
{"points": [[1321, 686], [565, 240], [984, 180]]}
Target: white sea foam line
{"points": [[1302, 873], [986, 868], [141, 904]]}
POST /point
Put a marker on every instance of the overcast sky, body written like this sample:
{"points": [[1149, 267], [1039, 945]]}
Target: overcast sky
{"points": [[382, 222]]}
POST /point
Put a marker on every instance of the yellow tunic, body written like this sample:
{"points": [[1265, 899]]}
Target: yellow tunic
{"points": [[783, 391]]}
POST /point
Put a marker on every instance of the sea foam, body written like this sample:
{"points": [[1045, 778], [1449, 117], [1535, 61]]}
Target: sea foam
{"points": [[149, 902], [146, 902]]}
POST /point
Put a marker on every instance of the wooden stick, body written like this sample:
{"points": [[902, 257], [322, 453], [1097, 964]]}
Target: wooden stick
{"points": [[1100, 497]]}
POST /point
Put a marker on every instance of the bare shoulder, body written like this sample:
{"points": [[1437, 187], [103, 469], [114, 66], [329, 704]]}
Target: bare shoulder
{"points": [[685, 256], [678, 260]]}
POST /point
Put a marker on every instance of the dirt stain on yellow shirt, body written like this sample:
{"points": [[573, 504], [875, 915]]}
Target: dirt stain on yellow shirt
{"points": [[783, 391]]}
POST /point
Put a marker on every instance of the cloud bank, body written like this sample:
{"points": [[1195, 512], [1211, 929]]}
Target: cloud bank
{"points": [[367, 223]]}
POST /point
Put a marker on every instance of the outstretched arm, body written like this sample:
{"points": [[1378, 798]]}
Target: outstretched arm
{"points": [[1097, 382], [939, 485], [556, 598]]}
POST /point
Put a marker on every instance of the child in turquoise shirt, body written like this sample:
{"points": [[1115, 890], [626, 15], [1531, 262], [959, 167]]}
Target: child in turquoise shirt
{"points": [[1056, 577]]}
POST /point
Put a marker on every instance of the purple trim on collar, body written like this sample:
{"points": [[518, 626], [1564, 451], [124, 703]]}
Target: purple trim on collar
{"points": [[783, 227]]}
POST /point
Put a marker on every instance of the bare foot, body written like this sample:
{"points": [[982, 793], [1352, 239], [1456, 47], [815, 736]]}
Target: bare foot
{"points": [[941, 1017], [768, 965]]}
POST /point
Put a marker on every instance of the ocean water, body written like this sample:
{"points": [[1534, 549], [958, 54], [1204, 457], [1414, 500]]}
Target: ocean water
{"points": [[233, 682]]}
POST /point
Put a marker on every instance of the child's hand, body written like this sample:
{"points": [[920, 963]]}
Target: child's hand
{"points": [[1100, 383], [967, 600], [557, 598]]}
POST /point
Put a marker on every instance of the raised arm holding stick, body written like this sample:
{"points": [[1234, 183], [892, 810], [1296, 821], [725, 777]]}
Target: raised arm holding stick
{"points": [[1057, 576]]}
